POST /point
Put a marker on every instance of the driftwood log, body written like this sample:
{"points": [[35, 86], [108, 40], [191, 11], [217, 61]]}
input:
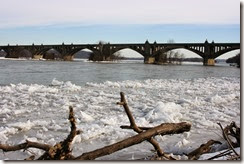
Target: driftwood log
{"points": [[234, 131], [62, 150], [204, 148], [137, 129], [161, 129], [230, 130]]}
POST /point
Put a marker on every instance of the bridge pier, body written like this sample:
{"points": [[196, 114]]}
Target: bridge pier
{"points": [[68, 57], [210, 62], [149, 60], [37, 56]]}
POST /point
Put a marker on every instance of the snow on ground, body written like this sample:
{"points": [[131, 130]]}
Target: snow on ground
{"points": [[40, 113]]}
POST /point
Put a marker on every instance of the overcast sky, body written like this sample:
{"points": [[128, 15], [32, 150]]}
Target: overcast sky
{"points": [[16, 13], [118, 21]]}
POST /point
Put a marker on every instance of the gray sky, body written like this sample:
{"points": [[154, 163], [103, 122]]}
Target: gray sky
{"points": [[15, 13]]}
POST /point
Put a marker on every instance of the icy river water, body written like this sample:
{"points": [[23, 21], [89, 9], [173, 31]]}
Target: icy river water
{"points": [[80, 72], [35, 97]]}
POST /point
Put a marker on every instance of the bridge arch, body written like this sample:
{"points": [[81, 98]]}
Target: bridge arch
{"points": [[47, 53], [52, 54], [137, 49], [17, 52], [165, 50], [227, 55], [183, 52], [82, 53], [24, 53], [3, 53], [128, 53], [71, 53], [225, 51]]}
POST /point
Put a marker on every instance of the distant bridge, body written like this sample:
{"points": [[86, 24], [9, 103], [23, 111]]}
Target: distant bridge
{"points": [[152, 52]]}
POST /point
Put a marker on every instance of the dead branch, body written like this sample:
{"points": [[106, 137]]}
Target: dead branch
{"points": [[129, 114], [129, 127], [224, 153], [234, 158], [133, 126], [62, 150], [225, 132], [25, 145], [234, 131], [204, 148], [167, 128]]}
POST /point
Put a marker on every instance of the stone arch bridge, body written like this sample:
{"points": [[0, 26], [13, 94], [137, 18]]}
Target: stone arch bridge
{"points": [[150, 51]]}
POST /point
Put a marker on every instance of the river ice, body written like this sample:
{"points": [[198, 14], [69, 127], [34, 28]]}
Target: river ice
{"points": [[40, 113]]}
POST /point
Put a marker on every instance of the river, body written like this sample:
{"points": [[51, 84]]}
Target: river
{"points": [[79, 72], [35, 97]]}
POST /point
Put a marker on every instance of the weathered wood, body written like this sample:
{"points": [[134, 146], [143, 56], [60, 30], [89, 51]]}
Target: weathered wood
{"points": [[225, 132], [166, 128], [140, 127], [221, 154], [62, 150], [133, 126], [128, 112], [204, 148], [25, 145], [232, 130]]}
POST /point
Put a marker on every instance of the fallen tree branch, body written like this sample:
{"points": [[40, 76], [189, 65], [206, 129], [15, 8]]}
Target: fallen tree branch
{"points": [[133, 126], [204, 148], [62, 150], [166, 128], [234, 131], [234, 158], [25, 145], [224, 153], [59, 151], [129, 127], [227, 138]]}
